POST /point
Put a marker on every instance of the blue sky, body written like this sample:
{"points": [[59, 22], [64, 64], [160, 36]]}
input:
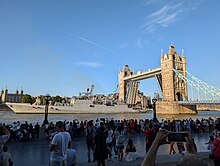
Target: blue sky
{"points": [[62, 47]]}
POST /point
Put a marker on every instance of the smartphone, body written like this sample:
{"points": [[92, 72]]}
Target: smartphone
{"points": [[177, 137]]}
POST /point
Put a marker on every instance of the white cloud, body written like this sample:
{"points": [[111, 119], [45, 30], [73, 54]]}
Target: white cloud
{"points": [[149, 2], [139, 43], [89, 64], [124, 45], [91, 42], [168, 13]]}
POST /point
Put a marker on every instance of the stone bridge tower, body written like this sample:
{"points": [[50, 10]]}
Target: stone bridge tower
{"points": [[173, 88], [121, 83]]}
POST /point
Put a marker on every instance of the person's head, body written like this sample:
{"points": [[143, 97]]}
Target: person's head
{"points": [[59, 126], [130, 141], [90, 123], [192, 159]]}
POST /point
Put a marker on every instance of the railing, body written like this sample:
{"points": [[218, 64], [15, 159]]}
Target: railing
{"points": [[200, 102]]}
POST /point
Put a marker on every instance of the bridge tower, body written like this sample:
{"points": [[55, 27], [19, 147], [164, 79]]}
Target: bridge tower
{"points": [[173, 88], [121, 83]]}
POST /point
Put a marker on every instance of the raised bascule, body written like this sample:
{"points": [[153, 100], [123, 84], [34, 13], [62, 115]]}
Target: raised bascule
{"points": [[171, 78]]}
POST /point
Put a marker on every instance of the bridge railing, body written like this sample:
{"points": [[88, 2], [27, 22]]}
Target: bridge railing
{"points": [[200, 102]]}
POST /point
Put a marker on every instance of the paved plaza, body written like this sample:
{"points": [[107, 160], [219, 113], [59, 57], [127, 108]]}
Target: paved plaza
{"points": [[36, 152]]}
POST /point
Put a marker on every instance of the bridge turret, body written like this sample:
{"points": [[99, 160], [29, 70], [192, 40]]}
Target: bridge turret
{"points": [[174, 89], [121, 83]]}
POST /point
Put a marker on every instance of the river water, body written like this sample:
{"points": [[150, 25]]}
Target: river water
{"points": [[9, 117]]}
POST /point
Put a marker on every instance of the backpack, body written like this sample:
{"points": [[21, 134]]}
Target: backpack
{"points": [[120, 139]]}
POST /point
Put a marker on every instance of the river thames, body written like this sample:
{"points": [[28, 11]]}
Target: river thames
{"points": [[9, 116]]}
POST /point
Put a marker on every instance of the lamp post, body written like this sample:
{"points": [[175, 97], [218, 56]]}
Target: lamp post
{"points": [[154, 108], [47, 98]]}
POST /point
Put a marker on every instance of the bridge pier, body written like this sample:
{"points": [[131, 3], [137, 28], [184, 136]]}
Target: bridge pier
{"points": [[172, 107]]}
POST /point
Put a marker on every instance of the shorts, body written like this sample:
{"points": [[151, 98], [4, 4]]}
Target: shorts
{"points": [[110, 144], [58, 163], [120, 146]]}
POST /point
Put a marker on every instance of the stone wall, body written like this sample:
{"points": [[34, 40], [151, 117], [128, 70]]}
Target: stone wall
{"points": [[205, 107], [169, 107]]}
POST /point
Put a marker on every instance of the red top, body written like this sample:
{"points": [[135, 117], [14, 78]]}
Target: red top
{"points": [[216, 144], [147, 131], [132, 124]]}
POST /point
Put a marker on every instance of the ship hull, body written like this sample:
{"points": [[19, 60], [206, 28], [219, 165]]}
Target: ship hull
{"points": [[21, 108]]}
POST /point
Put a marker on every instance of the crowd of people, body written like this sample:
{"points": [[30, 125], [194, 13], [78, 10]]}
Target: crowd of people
{"points": [[106, 135]]}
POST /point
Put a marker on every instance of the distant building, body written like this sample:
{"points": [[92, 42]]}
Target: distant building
{"points": [[11, 97]]}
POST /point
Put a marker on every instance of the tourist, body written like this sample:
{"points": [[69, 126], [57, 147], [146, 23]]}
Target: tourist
{"points": [[4, 137], [114, 142], [90, 139], [7, 161], [180, 147], [37, 130], [216, 149], [109, 141], [131, 152], [71, 157], [172, 148], [149, 136], [101, 150], [58, 147], [120, 145], [188, 159], [210, 143]]}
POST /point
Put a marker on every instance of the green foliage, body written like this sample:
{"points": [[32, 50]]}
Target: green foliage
{"points": [[27, 99], [42, 100], [55, 99]]}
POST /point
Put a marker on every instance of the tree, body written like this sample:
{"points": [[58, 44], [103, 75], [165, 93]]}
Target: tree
{"points": [[55, 99], [27, 99]]}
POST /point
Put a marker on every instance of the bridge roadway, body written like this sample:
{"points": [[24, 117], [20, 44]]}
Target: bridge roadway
{"points": [[143, 75], [36, 152], [194, 102]]}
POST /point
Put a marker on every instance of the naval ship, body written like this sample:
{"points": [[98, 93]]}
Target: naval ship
{"points": [[85, 103]]}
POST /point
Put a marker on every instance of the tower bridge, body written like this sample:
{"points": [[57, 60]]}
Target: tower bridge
{"points": [[172, 81]]}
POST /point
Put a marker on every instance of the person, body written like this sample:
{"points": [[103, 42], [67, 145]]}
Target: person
{"points": [[216, 149], [172, 148], [210, 143], [180, 147], [131, 152], [90, 139], [71, 157], [188, 159], [58, 147], [109, 141], [114, 142], [150, 135], [120, 145], [4, 137], [7, 161], [101, 150]]}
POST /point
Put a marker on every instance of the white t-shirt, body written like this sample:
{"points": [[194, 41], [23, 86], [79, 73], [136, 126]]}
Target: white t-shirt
{"points": [[62, 140], [71, 154], [109, 138]]}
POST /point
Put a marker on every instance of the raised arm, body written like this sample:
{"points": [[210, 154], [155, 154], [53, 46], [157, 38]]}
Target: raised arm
{"points": [[160, 139]]}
